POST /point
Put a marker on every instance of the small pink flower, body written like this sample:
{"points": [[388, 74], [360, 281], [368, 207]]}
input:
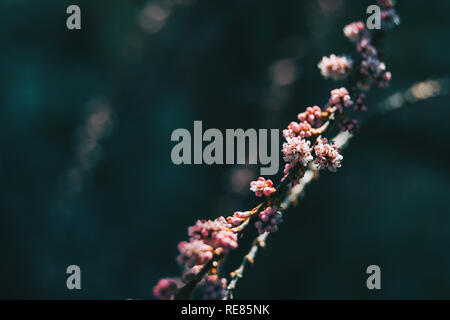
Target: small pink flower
{"points": [[355, 30], [340, 98], [312, 115], [204, 228], [224, 239], [165, 288], [269, 219], [194, 252], [262, 186], [328, 156], [296, 150], [238, 217], [335, 67], [214, 233], [365, 48]]}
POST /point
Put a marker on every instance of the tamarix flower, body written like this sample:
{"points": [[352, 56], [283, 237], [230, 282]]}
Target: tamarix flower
{"points": [[355, 30], [328, 156], [335, 67], [340, 98], [302, 129], [238, 217], [215, 234], [211, 241], [311, 114], [262, 187], [225, 240], [269, 219], [296, 150], [165, 288], [194, 252]]}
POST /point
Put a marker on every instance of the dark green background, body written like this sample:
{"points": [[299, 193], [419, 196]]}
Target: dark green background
{"points": [[387, 205]]}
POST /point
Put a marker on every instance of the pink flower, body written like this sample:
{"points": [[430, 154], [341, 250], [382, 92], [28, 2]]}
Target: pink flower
{"points": [[355, 30], [165, 288], [194, 252], [215, 288], [262, 186], [224, 239], [268, 221], [328, 156], [335, 67], [214, 233], [238, 217], [204, 228], [312, 115], [224, 222], [294, 129], [340, 98], [375, 71], [296, 150]]}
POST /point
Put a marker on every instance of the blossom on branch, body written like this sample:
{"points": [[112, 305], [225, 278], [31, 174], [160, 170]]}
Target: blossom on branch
{"points": [[262, 187], [165, 288], [296, 149], [340, 98], [335, 67], [194, 252], [269, 219], [328, 156], [355, 31]]}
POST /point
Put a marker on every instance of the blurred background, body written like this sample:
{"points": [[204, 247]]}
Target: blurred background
{"points": [[85, 171]]}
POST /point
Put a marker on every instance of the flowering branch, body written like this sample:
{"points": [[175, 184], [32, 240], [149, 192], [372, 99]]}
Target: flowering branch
{"points": [[212, 240]]}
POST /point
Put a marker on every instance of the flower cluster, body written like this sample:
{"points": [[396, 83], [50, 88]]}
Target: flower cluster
{"points": [[237, 218], [269, 219], [297, 149], [262, 187], [340, 98], [193, 253], [302, 129], [372, 69], [328, 156], [335, 67], [313, 115], [165, 288], [355, 31], [215, 234], [214, 288]]}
